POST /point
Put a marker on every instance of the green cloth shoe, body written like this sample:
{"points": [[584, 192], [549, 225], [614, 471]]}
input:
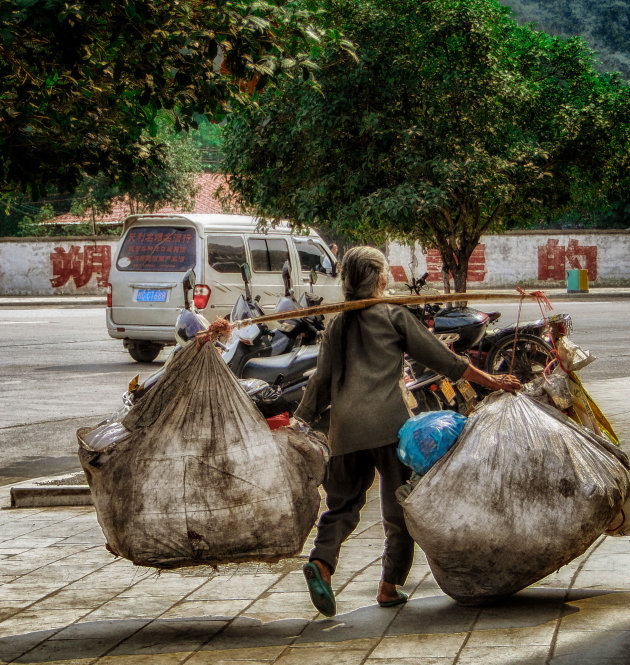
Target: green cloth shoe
{"points": [[321, 592], [402, 598]]}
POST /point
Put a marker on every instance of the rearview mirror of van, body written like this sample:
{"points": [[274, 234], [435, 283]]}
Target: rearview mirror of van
{"points": [[313, 276]]}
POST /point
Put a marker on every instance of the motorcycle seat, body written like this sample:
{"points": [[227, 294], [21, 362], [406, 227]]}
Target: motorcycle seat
{"points": [[291, 366], [534, 327]]}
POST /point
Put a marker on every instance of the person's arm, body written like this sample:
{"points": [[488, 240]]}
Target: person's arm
{"points": [[317, 395], [426, 349], [492, 381]]}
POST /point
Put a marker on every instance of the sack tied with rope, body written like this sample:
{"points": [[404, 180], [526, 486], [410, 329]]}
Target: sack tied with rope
{"points": [[523, 491], [197, 477]]}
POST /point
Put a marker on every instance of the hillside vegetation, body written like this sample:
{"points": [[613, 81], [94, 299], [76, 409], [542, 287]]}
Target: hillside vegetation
{"points": [[604, 25]]}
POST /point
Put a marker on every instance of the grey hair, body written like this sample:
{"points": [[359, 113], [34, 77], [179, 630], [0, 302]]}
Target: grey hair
{"points": [[361, 270]]}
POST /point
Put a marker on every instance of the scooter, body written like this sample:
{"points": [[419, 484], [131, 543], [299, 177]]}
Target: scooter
{"points": [[259, 341], [189, 322], [275, 388]]}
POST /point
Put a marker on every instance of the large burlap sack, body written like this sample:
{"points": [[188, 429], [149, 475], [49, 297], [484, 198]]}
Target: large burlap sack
{"points": [[195, 476], [523, 491]]}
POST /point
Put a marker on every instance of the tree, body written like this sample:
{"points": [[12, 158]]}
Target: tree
{"points": [[209, 141], [32, 225], [456, 122], [82, 82], [94, 196], [173, 182]]}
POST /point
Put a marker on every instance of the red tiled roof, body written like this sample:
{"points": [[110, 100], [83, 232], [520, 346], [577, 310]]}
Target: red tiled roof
{"points": [[205, 202]]}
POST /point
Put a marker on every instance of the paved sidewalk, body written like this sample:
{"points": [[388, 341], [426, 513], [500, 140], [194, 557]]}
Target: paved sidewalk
{"points": [[65, 600]]}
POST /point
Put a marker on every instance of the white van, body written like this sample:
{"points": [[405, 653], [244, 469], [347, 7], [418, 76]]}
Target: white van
{"points": [[145, 288]]}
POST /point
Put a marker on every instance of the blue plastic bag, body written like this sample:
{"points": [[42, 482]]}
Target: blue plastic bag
{"points": [[427, 437]]}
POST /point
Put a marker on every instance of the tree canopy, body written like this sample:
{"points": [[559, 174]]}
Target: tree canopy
{"points": [[456, 121], [84, 83]]}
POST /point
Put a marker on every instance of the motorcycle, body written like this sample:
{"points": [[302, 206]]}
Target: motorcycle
{"points": [[431, 391], [523, 349], [283, 358]]}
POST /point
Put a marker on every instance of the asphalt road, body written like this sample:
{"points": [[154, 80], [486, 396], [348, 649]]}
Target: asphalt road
{"points": [[59, 371]]}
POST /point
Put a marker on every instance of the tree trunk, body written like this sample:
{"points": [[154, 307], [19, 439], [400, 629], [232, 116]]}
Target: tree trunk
{"points": [[460, 275], [446, 279]]}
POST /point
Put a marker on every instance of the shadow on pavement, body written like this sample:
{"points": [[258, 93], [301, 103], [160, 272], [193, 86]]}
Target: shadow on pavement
{"points": [[36, 466], [421, 616]]}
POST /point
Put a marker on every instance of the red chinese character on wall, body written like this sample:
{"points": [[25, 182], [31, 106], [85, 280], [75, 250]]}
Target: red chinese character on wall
{"points": [[80, 264], [398, 273], [554, 259], [476, 265]]}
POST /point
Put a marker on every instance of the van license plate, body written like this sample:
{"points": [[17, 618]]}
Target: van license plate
{"points": [[151, 295]]}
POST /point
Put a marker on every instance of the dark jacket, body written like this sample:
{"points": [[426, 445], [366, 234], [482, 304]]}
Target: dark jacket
{"points": [[368, 406]]}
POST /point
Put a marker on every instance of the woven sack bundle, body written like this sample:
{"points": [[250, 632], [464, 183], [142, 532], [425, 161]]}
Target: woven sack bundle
{"points": [[524, 491], [197, 477]]}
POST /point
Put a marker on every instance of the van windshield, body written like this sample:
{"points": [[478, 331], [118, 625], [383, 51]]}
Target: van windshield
{"points": [[158, 249]]}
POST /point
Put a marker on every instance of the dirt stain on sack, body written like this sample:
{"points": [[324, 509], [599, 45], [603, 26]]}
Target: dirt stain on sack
{"points": [[566, 487]]}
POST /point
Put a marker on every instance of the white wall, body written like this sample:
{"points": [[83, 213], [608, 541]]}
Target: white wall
{"points": [[55, 266], [529, 258]]}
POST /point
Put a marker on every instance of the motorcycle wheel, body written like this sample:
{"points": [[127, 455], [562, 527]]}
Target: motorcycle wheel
{"points": [[531, 356], [144, 352]]}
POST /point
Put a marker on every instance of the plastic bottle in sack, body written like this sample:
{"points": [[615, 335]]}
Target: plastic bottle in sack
{"points": [[108, 431]]}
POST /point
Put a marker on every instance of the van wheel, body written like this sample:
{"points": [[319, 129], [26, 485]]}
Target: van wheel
{"points": [[144, 352]]}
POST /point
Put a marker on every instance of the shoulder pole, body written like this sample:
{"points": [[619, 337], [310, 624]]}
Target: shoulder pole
{"points": [[334, 308]]}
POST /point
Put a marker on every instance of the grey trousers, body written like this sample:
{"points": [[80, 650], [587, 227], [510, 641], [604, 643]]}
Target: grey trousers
{"points": [[347, 481]]}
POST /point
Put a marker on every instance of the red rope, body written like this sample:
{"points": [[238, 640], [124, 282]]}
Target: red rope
{"points": [[518, 320], [541, 299], [219, 329], [555, 355], [540, 296]]}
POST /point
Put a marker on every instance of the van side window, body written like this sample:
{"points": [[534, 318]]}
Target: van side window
{"points": [[311, 253], [226, 253], [268, 254]]}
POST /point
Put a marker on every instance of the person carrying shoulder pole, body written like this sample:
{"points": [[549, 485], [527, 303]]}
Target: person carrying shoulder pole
{"points": [[359, 372]]}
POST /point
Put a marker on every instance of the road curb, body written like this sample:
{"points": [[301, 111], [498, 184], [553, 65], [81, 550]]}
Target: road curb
{"points": [[15, 302], [590, 296], [33, 496], [63, 489]]}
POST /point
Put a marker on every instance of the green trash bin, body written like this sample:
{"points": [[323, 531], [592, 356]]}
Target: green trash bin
{"points": [[577, 281]]}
